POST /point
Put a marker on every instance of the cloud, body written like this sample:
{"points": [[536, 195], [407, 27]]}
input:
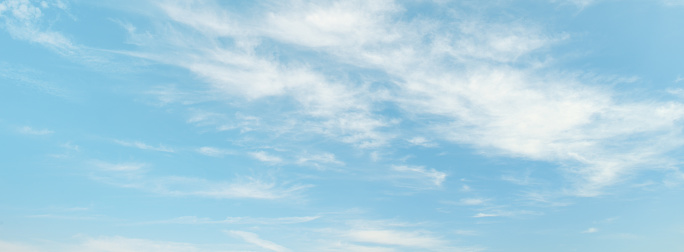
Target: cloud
{"points": [[123, 244], [107, 244], [436, 178], [37, 132], [120, 167], [394, 237], [503, 213], [132, 175], [472, 201], [590, 230], [319, 160], [344, 247], [322, 104], [673, 2], [143, 146], [488, 84], [483, 215], [265, 157], [30, 78], [23, 20], [421, 141], [254, 239], [579, 3], [383, 235], [187, 186], [237, 220], [214, 152], [16, 247]]}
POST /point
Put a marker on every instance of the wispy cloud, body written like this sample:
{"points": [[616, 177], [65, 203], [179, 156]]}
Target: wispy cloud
{"points": [[421, 141], [385, 235], [118, 167], [31, 131], [214, 152], [23, 20], [483, 215], [123, 244], [590, 230], [472, 201], [394, 237], [673, 2], [482, 81], [248, 188], [63, 217], [17, 247], [106, 243], [487, 84], [254, 239], [504, 213], [237, 220], [324, 105], [581, 4], [30, 78], [144, 146], [265, 157], [435, 178], [320, 160], [132, 175]]}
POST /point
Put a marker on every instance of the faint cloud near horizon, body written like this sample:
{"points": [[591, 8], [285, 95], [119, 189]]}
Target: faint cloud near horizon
{"points": [[27, 130]]}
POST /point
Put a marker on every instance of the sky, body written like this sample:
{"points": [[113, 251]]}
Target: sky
{"points": [[417, 125]]}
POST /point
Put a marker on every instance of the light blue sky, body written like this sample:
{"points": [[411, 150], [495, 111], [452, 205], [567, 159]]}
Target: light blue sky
{"points": [[341, 125]]}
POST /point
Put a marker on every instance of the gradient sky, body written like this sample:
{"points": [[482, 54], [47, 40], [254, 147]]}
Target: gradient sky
{"points": [[134, 125]]}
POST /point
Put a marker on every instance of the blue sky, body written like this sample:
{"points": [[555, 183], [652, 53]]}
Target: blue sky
{"points": [[341, 125]]}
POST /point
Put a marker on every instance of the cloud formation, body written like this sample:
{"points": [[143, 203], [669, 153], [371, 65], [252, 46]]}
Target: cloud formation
{"points": [[254, 239]]}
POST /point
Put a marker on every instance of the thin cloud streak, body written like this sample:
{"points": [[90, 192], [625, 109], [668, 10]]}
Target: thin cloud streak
{"points": [[132, 175], [254, 239], [194, 220], [26, 130], [144, 146]]}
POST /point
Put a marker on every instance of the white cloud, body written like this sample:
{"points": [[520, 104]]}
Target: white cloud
{"points": [[319, 160], [435, 177], [394, 237], [503, 213], [673, 2], [132, 175], [251, 188], [472, 201], [254, 239], [590, 230], [22, 19], [421, 141], [144, 146], [237, 220], [483, 83], [123, 244], [16, 247], [344, 247], [323, 104], [120, 167], [107, 244], [31, 131], [214, 152], [265, 157], [483, 215], [333, 24], [30, 78]]}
